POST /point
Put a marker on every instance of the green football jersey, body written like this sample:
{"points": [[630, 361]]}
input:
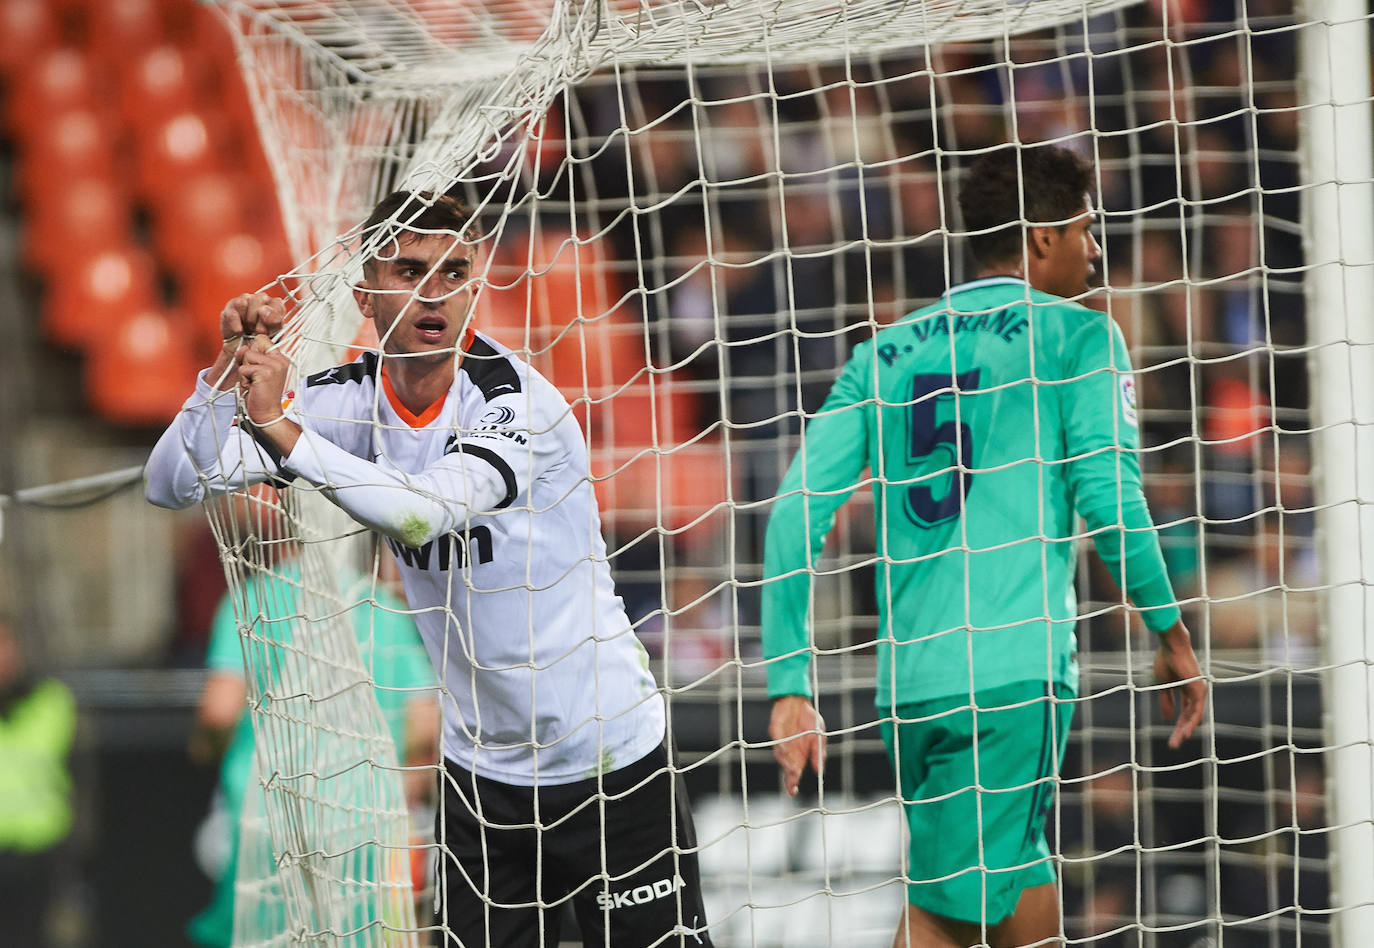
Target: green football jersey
{"points": [[983, 423]]}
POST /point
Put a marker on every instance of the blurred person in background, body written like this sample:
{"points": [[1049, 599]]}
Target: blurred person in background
{"points": [[37, 728], [391, 652]]}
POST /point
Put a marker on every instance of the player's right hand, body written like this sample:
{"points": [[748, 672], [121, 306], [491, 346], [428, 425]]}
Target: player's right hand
{"points": [[242, 318], [800, 732], [250, 314]]}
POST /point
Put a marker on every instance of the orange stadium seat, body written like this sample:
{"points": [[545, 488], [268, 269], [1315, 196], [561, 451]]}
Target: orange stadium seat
{"points": [[70, 145], [238, 262], [143, 373], [97, 293], [208, 34], [210, 43], [75, 221], [157, 83], [57, 80], [28, 28], [685, 490], [118, 30], [581, 337], [182, 145], [201, 210]]}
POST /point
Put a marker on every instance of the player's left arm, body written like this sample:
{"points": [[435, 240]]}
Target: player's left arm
{"points": [[1103, 440], [399, 662], [1102, 445], [420, 755]]}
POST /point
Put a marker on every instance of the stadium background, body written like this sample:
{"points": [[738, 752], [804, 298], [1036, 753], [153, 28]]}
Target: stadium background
{"points": [[138, 199]]}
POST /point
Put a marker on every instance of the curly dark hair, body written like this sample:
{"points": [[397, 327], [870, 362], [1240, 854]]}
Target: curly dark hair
{"points": [[408, 211], [1052, 179]]}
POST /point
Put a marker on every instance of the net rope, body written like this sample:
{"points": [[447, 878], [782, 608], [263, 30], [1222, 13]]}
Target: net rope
{"points": [[692, 211]]}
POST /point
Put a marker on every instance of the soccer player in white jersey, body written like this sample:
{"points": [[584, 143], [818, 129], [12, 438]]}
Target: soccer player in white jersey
{"points": [[556, 781]]}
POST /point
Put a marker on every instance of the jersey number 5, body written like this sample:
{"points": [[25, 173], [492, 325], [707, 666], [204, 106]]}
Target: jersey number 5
{"points": [[926, 436]]}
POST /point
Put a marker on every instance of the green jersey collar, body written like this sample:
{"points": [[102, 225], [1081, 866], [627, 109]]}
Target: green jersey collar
{"points": [[985, 282]]}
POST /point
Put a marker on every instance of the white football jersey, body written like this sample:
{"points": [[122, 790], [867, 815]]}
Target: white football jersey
{"points": [[487, 503]]}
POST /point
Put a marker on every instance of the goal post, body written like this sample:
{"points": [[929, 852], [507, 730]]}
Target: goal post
{"points": [[692, 212], [1339, 232]]}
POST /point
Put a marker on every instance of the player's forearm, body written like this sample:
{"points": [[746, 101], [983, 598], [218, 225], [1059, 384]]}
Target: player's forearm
{"points": [[411, 509], [189, 451], [1130, 549], [786, 645], [786, 596]]}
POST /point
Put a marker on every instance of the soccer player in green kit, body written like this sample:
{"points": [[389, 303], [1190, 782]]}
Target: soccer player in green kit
{"points": [[986, 422]]}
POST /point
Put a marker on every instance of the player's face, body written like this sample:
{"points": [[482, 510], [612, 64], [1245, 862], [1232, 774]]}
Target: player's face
{"points": [[1069, 256], [420, 294]]}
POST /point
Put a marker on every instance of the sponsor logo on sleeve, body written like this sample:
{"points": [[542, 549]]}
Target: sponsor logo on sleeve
{"points": [[499, 417], [494, 423], [1128, 408]]}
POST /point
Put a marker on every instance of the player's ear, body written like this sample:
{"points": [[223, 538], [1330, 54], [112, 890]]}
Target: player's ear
{"points": [[363, 297], [1040, 240]]}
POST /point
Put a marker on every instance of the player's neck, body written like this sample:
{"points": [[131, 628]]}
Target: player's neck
{"points": [[1013, 270], [418, 383]]}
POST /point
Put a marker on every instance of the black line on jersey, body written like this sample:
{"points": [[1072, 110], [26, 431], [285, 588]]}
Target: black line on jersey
{"points": [[496, 461], [283, 478], [489, 370], [364, 368], [1044, 767]]}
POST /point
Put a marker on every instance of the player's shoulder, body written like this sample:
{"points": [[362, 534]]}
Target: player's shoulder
{"points": [[493, 369], [361, 372], [1075, 321], [339, 391], [1074, 310]]}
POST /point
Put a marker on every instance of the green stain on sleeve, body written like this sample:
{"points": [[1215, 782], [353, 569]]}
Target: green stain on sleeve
{"points": [[414, 529]]}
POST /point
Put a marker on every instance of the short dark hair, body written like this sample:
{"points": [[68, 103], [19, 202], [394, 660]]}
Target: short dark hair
{"points": [[402, 212], [1053, 181]]}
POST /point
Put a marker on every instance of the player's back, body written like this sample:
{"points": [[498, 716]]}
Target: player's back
{"points": [[977, 401]]}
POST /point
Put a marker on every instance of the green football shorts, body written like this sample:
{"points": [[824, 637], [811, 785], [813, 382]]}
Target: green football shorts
{"points": [[973, 851]]}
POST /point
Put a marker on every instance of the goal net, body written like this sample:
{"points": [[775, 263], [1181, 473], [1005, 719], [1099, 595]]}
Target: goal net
{"points": [[693, 211]]}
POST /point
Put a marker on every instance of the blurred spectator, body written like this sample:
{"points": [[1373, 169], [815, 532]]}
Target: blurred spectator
{"points": [[1109, 835], [1173, 496], [695, 634], [1168, 322], [37, 728], [1235, 420], [200, 586], [271, 602], [1268, 599], [1232, 244], [1282, 852]]}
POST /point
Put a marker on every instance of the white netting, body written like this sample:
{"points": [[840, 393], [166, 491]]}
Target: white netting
{"points": [[693, 211], [333, 802]]}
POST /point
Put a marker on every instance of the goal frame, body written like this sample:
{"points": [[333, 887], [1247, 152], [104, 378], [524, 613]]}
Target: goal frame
{"points": [[1338, 176]]}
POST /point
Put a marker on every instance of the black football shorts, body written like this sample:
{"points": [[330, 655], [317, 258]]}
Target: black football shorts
{"points": [[620, 849]]}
